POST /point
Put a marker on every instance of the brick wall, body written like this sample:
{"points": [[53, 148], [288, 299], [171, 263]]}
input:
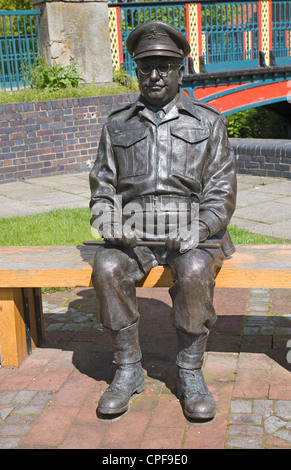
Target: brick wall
{"points": [[52, 137], [58, 137], [263, 157]]}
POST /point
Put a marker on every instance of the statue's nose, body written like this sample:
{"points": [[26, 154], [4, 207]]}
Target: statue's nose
{"points": [[154, 76]]}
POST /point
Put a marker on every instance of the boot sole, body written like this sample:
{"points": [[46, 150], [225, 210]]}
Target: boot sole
{"points": [[199, 415], [115, 411]]}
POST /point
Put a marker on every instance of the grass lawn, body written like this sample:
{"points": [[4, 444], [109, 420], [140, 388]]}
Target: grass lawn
{"points": [[72, 227], [33, 94]]}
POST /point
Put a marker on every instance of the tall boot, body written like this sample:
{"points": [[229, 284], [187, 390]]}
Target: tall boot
{"points": [[196, 399], [129, 377]]}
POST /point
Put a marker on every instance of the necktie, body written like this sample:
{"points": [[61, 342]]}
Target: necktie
{"points": [[159, 115]]}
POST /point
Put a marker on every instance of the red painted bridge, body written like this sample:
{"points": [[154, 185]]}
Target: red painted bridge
{"points": [[240, 50]]}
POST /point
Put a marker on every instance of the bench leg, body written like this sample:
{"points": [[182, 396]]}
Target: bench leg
{"points": [[21, 324]]}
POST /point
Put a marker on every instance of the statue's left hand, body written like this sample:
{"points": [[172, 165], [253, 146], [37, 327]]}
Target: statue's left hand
{"points": [[122, 236], [176, 242]]}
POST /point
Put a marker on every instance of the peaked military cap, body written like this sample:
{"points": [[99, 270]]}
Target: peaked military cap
{"points": [[157, 38]]}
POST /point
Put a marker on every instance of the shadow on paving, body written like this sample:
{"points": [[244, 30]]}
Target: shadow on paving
{"points": [[93, 353]]}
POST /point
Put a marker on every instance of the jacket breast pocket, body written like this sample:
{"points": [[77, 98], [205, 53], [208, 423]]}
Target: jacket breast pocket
{"points": [[131, 150], [188, 151]]}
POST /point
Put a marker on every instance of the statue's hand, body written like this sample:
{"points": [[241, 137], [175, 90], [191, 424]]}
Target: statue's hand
{"points": [[121, 236], [178, 242], [173, 242], [203, 232]]}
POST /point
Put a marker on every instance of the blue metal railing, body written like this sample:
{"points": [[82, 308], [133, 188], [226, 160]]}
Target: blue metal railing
{"points": [[229, 35], [231, 31], [19, 47], [281, 34]]}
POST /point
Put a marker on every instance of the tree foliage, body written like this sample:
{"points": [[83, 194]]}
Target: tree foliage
{"points": [[15, 5], [260, 123]]}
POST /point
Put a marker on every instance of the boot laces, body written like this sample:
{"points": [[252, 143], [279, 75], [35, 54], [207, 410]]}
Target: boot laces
{"points": [[193, 383], [122, 380]]}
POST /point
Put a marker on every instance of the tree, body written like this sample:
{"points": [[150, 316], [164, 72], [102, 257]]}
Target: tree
{"points": [[15, 5]]}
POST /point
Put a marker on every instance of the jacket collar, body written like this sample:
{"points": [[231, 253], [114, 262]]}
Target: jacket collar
{"points": [[181, 102]]}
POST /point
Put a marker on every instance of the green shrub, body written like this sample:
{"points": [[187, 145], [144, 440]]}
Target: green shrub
{"points": [[260, 123], [120, 76], [54, 77]]}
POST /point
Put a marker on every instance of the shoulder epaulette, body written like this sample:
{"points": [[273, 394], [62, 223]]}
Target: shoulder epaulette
{"points": [[206, 106], [123, 108]]}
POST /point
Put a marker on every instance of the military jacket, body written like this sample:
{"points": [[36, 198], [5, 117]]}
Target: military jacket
{"points": [[186, 154]]}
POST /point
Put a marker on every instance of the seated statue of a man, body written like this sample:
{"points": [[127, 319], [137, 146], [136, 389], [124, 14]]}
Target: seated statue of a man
{"points": [[165, 157]]}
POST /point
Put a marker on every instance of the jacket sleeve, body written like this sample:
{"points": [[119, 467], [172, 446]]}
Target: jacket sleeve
{"points": [[103, 180], [218, 196]]}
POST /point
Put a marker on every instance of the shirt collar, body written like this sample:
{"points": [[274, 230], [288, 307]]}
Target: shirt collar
{"points": [[181, 101]]}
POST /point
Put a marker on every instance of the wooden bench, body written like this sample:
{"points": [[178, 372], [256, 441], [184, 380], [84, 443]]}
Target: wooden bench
{"points": [[25, 270]]}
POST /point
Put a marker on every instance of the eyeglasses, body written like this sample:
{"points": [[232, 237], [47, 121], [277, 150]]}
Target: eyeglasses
{"points": [[162, 68]]}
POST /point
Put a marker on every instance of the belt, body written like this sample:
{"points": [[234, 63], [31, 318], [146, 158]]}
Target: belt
{"points": [[164, 202]]}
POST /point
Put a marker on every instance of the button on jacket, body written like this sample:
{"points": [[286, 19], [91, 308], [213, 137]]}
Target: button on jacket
{"points": [[186, 153]]}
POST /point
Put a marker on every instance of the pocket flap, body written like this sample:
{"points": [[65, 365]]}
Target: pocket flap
{"points": [[190, 135], [126, 139]]}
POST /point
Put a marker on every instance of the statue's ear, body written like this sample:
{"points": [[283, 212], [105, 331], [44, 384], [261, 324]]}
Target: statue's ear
{"points": [[181, 73]]}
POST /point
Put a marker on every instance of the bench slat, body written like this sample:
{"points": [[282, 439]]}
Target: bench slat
{"points": [[63, 266], [23, 270]]}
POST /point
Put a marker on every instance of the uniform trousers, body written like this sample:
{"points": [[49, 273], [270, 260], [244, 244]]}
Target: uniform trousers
{"points": [[116, 271]]}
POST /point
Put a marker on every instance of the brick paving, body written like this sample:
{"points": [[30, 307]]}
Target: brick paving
{"points": [[50, 401]]}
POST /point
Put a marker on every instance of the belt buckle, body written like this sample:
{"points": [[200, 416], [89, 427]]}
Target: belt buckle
{"points": [[155, 202]]}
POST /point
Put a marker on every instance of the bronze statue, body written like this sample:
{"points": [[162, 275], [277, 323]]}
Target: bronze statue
{"points": [[162, 153]]}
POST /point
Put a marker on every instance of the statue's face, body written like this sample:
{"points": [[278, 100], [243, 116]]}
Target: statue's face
{"points": [[159, 79]]}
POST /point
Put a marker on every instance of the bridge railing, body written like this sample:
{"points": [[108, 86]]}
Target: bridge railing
{"points": [[223, 35], [19, 46]]}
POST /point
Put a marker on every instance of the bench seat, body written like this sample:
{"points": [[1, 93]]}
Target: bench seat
{"points": [[25, 270]]}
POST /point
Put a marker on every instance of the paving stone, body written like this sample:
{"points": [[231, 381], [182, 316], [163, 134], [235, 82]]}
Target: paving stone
{"points": [[24, 397], [54, 326], [251, 330], [16, 425], [259, 291], [245, 429], [6, 397], [9, 442], [260, 299], [283, 409], [263, 407], [4, 412], [273, 423], [267, 330], [259, 308], [284, 331], [42, 398], [69, 326], [245, 418], [284, 434], [256, 321], [252, 312], [59, 310], [28, 410], [241, 406], [245, 442]]}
